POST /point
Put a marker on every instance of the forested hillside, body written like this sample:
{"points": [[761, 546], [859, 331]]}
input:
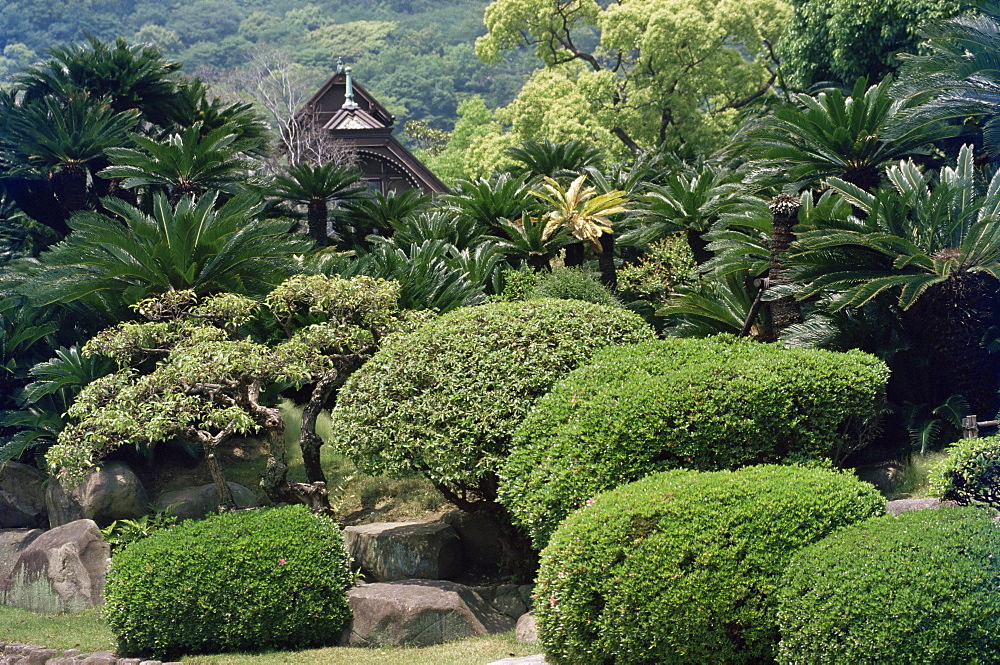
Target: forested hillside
{"points": [[417, 56]]}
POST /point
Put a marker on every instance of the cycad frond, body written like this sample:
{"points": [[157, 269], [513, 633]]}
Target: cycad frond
{"points": [[192, 245]]}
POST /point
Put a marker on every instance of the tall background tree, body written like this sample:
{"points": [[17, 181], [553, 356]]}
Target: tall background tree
{"points": [[837, 41], [636, 73]]}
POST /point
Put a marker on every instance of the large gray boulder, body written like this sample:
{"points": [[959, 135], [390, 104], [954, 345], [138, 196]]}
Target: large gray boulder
{"points": [[62, 570], [388, 551], [111, 492], [510, 599], [12, 543], [194, 503], [419, 613], [22, 497]]}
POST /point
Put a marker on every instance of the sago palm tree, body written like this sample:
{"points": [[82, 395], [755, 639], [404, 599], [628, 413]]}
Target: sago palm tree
{"points": [[197, 105], [581, 210], [183, 164], [491, 201], [548, 158], [959, 76], [934, 248], [55, 147], [120, 258], [377, 212], [132, 77], [832, 136], [690, 200], [532, 240], [318, 188], [44, 402]]}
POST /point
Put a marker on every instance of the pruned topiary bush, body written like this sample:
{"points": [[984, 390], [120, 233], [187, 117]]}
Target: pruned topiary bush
{"points": [[241, 581], [970, 474], [444, 400], [705, 404], [574, 284], [684, 566], [923, 587]]}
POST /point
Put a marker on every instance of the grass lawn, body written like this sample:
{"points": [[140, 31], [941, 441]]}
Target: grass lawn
{"points": [[87, 631]]}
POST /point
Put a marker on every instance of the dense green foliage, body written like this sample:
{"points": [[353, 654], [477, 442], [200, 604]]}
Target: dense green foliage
{"points": [[918, 588], [444, 400], [684, 567], [699, 404], [247, 580], [635, 72], [970, 473], [191, 371], [417, 57], [839, 40], [574, 284]]}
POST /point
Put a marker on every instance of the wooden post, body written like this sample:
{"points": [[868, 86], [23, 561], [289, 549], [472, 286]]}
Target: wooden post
{"points": [[970, 427]]}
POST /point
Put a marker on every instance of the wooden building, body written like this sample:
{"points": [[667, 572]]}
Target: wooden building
{"points": [[350, 114]]}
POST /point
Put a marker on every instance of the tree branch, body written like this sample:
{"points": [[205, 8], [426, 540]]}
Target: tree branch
{"points": [[739, 103]]}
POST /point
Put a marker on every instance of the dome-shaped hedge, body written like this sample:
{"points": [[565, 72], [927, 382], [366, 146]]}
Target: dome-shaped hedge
{"points": [[684, 566], [921, 588], [242, 581], [444, 400], [970, 474], [705, 404]]}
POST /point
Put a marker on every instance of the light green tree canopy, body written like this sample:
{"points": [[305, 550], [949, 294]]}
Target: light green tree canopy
{"points": [[649, 72]]}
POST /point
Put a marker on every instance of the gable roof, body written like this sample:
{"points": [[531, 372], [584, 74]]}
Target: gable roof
{"points": [[350, 113]]}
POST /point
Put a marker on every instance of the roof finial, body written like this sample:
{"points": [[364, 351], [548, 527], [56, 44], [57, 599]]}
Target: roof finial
{"points": [[340, 65], [349, 102]]}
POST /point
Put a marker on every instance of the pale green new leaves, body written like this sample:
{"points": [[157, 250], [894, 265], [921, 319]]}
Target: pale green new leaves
{"points": [[666, 70], [544, 20], [206, 377], [580, 210]]}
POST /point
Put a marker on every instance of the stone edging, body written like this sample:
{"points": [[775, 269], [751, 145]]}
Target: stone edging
{"points": [[24, 654]]}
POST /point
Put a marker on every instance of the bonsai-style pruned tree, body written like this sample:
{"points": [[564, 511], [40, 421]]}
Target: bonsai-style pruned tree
{"points": [[192, 372]]}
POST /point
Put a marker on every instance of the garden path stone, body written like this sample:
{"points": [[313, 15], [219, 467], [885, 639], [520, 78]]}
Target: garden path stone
{"points": [[538, 659], [389, 551], [512, 600], [419, 613], [906, 505]]}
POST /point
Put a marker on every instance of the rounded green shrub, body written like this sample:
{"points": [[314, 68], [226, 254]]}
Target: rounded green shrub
{"points": [[923, 587], [705, 404], [444, 400], [684, 566], [241, 581], [574, 284], [970, 474]]}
